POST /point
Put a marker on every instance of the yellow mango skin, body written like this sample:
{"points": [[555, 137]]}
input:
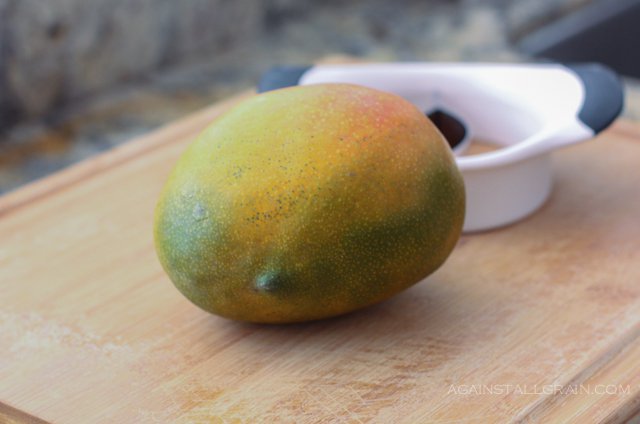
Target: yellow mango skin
{"points": [[309, 202]]}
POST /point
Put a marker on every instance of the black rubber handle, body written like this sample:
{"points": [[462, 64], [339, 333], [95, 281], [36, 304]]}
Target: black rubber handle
{"points": [[604, 95], [280, 77]]}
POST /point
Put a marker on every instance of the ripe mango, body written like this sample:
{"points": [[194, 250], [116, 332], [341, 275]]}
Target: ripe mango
{"points": [[309, 202]]}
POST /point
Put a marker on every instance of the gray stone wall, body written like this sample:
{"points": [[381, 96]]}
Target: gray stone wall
{"points": [[56, 51]]}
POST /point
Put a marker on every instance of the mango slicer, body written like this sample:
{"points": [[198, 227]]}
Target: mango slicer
{"points": [[526, 110]]}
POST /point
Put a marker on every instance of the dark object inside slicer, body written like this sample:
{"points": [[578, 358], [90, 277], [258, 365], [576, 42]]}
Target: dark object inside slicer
{"points": [[452, 129]]}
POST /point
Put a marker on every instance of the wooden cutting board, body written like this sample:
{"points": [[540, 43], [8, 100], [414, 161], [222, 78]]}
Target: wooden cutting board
{"points": [[92, 330]]}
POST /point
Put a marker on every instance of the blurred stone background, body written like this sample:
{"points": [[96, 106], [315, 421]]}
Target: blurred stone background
{"points": [[55, 52], [80, 76]]}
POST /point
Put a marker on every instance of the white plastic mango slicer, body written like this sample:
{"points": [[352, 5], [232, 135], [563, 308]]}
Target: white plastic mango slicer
{"points": [[526, 110]]}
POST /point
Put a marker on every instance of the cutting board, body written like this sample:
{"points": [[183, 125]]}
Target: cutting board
{"points": [[538, 321]]}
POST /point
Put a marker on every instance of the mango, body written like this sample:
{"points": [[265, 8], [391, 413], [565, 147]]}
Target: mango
{"points": [[309, 202]]}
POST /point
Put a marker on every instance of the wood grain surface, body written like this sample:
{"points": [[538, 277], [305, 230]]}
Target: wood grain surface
{"points": [[92, 330]]}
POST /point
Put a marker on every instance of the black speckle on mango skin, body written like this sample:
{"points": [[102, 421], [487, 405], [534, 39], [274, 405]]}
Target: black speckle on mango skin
{"points": [[309, 202]]}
